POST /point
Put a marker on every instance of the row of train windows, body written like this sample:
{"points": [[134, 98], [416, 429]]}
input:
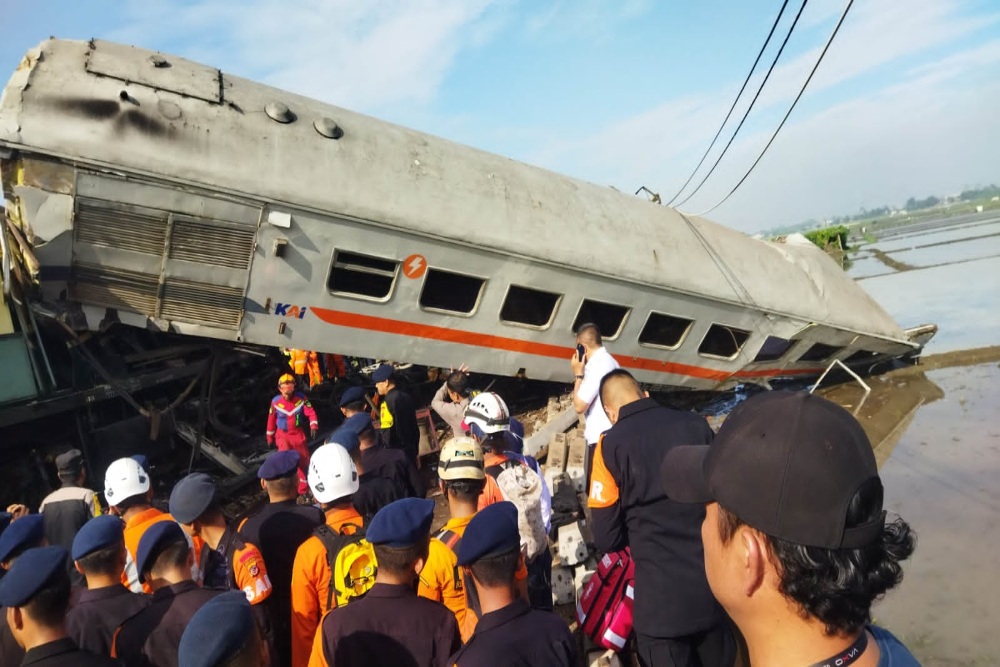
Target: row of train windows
{"points": [[368, 277]]}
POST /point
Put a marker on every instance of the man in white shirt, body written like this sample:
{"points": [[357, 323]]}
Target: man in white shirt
{"points": [[595, 363]]}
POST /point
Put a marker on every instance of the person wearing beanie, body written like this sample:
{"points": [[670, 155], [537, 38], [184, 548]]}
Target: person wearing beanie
{"points": [[36, 593], [152, 636], [70, 506], [99, 555], [279, 528], [509, 632], [391, 625], [223, 633]]}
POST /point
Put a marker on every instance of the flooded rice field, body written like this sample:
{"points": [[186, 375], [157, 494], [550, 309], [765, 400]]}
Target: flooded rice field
{"points": [[936, 436]]}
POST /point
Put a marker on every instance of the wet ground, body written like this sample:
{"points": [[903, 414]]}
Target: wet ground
{"points": [[936, 436]]}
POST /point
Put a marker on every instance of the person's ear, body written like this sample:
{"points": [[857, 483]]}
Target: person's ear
{"points": [[263, 485], [754, 560], [418, 566], [76, 564], [15, 618]]}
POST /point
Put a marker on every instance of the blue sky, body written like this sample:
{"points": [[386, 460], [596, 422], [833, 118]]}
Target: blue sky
{"points": [[624, 93]]}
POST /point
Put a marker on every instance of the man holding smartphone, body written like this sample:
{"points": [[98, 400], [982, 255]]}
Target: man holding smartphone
{"points": [[590, 362]]}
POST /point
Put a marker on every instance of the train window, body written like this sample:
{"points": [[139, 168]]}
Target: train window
{"points": [[451, 292], [723, 341], [860, 356], [774, 348], [608, 317], [529, 307], [664, 330], [819, 352], [364, 276]]}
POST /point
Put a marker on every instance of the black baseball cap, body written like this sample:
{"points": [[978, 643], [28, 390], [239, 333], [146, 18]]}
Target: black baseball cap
{"points": [[785, 463]]}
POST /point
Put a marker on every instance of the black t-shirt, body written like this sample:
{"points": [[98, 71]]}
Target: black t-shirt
{"points": [[404, 433]]}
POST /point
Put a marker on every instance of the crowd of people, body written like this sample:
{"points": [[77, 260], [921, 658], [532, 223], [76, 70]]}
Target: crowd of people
{"points": [[770, 536]]}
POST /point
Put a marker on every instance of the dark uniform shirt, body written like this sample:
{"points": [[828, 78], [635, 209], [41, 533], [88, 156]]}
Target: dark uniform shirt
{"points": [[11, 652], [390, 627], [152, 636], [92, 621], [278, 529], [66, 510], [404, 433], [630, 507], [64, 653], [518, 636], [393, 464]]}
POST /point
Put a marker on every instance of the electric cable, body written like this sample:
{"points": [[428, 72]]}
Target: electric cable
{"points": [[729, 113], [789, 113], [752, 102]]}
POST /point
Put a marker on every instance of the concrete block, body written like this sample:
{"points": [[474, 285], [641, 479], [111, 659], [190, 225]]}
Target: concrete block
{"points": [[556, 459], [576, 458], [581, 575], [563, 587], [553, 408], [572, 547], [556, 479]]}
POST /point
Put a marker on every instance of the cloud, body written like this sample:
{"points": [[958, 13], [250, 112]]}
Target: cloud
{"points": [[368, 56], [827, 156]]}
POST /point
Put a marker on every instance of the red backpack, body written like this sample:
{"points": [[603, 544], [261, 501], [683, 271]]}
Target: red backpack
{"points": [[604, 609]]}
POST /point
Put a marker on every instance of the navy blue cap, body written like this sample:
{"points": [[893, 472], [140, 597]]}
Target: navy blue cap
{"points": [[157, 537], [358, 422], [25, 533], [30, 574], [382, 373], [279, 464], [98, 533], [191, 497], [345, 437], [402, 523], [492, 531], [217, 631], [352, 395]]}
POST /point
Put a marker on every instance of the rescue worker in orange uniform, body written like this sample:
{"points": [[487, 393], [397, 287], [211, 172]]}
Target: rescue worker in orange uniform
{"points": [[333, 479], [286, 422], [129, 493]]}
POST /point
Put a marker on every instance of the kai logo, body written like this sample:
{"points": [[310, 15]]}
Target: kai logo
{"points": [[290, 310]]}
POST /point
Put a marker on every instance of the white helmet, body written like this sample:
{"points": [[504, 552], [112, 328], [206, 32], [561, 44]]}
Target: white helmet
{"points": [[488, 411], [332, 473], [124, 478]]}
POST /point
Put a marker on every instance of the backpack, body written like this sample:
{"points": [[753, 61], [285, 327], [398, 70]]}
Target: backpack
{"points": [[474, 610], [351, 559], [604, 609], [522, 486]]}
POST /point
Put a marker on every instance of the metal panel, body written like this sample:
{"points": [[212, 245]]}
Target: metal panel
{"points": [[203, 303], [123, 226], [211, 243], [114, 288], [155, 70], [18, 379]]}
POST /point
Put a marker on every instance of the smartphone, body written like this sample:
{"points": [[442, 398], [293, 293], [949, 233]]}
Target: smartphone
{"points": [[580, 351]]}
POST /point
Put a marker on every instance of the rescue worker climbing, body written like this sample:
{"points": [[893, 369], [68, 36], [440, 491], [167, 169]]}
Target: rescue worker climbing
{"points": [[286, 422]]}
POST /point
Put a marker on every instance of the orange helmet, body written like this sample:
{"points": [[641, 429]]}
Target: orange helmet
{"points": [[287, 377]]}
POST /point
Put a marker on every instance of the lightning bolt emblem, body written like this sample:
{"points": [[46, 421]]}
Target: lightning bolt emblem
{"points": [[414, 266]]}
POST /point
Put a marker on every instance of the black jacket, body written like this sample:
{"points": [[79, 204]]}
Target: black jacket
{"points": [[629, 507], [518, 636], [277, 530], [404, 433], [64, 653], [390, 627], [152, 636], [91, 622]]}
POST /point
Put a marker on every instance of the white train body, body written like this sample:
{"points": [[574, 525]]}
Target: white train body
{"points": [[162, 193]]}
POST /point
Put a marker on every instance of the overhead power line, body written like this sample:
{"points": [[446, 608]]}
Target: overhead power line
{"points": [[760, 89], [729, 113], [829, 41]]}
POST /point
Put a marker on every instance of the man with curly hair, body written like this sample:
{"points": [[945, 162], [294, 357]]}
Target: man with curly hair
{"points": [[797, 546]]}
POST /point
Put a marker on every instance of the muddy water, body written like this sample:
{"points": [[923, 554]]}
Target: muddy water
{"points": [[938, 443], [949, 275]]}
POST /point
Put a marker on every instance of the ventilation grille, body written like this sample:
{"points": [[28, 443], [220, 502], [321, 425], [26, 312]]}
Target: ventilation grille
{"points": [[114, 288], [219, 245], [121, 226], [203, 303]]}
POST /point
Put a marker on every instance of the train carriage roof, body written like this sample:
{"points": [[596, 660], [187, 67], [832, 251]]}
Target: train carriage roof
{"points": [[137, 110]]}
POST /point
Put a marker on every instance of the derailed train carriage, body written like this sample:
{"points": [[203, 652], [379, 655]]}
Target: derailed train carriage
{"points": [[147, 190]]}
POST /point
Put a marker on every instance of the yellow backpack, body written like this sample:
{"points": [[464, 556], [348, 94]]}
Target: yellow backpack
{"points": [[352, 563]]}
